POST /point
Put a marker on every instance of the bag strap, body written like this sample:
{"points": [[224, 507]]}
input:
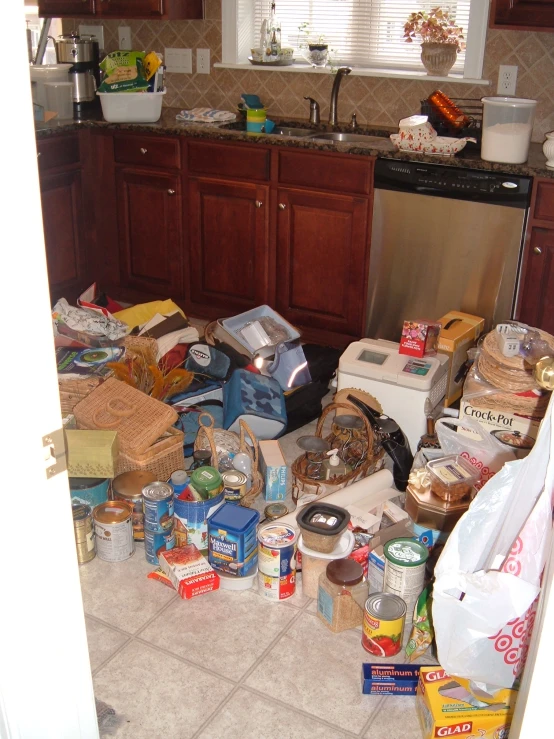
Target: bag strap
{"points": [[253, 449], [119, 414], [208, 432]]}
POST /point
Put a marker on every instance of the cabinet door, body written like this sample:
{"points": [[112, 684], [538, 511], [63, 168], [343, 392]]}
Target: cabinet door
{"points": [[63, 232], [61, 8], [537, 301], [533, 15], [149, 225], [322, 262], [228, 244], [130, 8]]}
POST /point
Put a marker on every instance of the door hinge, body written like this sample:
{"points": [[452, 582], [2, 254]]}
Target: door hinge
{"points": [[54, 455]]}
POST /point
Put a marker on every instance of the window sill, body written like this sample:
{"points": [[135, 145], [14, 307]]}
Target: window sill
{"points": [[358, 71]]}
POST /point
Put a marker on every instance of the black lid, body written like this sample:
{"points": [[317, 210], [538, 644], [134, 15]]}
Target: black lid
{"points": [[202, 454], [323, 518], [345, 572]]}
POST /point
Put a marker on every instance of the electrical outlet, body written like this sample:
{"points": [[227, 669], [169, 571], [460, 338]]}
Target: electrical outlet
{"points": [[96, 31], [507, 78], [203, 61], [124, 35], [178, 60]]}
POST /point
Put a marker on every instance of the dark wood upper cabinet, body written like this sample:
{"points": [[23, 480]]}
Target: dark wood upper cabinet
{"points": [[139, 9], [522, 15], [130, 8], [66, 8]]}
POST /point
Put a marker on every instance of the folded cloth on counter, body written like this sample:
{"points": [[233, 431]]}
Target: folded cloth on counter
{"points": [[206, 115]]}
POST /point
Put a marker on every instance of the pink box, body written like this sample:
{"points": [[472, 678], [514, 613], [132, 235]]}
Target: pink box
{"points": [[419, 338]]}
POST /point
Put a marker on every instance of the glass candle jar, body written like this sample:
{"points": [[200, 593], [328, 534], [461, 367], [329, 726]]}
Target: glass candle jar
{"points": [[341, 595]]}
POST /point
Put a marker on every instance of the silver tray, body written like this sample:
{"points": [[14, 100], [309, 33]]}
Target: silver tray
{"points": [[278, 63]]}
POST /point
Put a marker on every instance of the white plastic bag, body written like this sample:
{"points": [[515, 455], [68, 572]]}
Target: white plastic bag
{"points": [[485, 453], [487, 577]]}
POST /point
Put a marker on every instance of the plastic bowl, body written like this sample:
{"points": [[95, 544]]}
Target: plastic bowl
{"points": [[131, 107]]}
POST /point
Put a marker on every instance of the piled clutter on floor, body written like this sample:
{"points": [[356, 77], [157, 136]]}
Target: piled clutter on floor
{"points": [[174, 445]]}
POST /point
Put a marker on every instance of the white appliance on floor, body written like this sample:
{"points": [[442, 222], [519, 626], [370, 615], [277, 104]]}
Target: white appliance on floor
{"points": [[402, 384]]}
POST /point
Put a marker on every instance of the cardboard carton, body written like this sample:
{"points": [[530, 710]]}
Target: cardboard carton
{"points": [[459, 333], [91, 453], [274, 470]]}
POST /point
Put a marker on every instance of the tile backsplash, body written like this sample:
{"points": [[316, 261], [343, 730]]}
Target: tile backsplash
{"points": [[376, 100]]}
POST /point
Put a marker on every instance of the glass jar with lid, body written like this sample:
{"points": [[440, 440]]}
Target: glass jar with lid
{"points": [[342, 594]]}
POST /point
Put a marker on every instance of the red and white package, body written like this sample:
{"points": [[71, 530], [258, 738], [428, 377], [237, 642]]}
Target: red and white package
{"points": [[190, 573]]}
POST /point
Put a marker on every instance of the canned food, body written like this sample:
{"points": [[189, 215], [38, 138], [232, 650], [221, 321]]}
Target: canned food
{"points": [[207, 482], [158, 505], [383, 625], [277, 561], [84, 534], [113, 531], [128, 487], [275, 510], [234, 485], [405, 570], [154, 543]]}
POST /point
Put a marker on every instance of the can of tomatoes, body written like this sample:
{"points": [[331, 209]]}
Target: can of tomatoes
{"points": [[383, 625]]}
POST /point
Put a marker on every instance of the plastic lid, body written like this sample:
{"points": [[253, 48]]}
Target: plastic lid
{"points": [[344, 572], [406, 552], [206, 478], [452, 470], [514, 102], [344, 546], [130, 484], [323, 518], [201, 454], [179, 477]]}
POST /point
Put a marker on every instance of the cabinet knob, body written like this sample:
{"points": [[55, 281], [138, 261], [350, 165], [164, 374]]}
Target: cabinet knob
{"points": [[143, 150], [259, 203], [537, 250], [39, 154], [171, 192], [282, 206]]}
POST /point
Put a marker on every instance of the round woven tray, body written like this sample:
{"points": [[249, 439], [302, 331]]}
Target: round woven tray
{"points": [[511, 374]]}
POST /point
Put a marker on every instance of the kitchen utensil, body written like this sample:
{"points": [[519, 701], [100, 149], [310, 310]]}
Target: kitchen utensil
{"points": [[83, 54], [416, 129]]}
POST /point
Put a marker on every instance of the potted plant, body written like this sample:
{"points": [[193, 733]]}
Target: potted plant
{"points": [[441, 39], [314, 47]]}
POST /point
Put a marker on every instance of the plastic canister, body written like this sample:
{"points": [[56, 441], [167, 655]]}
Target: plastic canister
{"points": [[41, 74], [315, 563], [507, 127]]}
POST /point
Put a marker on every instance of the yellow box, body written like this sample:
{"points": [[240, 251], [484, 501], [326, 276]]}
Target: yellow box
{"points": [[444, 711], [91, 453], [459, 333]]}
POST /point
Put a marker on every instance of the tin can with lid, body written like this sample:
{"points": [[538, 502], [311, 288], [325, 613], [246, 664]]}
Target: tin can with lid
{"points": [[383, 624], [158, 506], [128, 487], [207, 482], [277, 561], [113, 531], [155, 543], [273, 511], [84, 534], [405, 561], [234, 485]]}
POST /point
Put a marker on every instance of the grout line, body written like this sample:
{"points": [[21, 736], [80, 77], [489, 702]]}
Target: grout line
{"points": [[156, 615], [216, 711], [109, 659], [373, 716]]}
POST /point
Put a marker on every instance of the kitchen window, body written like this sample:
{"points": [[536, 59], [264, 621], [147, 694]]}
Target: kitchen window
{"points": [[366, 34]]}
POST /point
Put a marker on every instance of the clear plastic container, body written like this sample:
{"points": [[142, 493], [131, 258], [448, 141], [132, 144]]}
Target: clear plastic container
{"points": [[452, 478], [342, 595], [314, 564], [507, 127]]}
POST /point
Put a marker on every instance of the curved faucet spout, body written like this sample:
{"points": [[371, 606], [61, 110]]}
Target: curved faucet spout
{"points": [[341, 72]]}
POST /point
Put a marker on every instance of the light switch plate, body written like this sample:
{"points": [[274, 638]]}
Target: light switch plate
{"points": [[124, 36], [178, 60], [202, 61], [97, 31]]}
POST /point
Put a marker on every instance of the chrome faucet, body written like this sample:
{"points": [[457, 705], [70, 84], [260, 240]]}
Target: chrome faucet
{"points": [[314, 110], [341, 71]]}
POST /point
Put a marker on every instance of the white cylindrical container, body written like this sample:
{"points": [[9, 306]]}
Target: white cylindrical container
{"points": [[507, 127], [59, 98], [548, 150], [46, 73], [315, 563], [113, 530]]}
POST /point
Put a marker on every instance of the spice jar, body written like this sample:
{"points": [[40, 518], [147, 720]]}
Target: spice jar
{"points": [[341, 595]]}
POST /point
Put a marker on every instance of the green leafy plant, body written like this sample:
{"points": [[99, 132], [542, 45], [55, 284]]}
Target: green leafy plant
{"points": [[436, 26]]}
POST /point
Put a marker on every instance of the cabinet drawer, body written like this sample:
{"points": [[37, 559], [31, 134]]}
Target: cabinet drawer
{"points": [[544, 204], [58, 152], [148, 151], [325, 172], [228, 160]]}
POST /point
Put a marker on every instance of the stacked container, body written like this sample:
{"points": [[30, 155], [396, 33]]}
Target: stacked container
{"points": [[159, 529]]}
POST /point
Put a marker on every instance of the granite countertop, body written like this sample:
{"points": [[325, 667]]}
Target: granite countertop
{"points": [[467, 158]]}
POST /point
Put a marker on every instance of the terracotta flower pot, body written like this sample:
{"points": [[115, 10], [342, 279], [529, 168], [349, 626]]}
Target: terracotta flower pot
{"points": [[438, 59]]}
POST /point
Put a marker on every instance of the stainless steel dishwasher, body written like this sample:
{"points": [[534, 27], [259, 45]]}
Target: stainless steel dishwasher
{"points": [[443, 238]]}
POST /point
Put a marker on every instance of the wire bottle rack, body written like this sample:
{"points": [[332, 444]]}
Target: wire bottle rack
{"points": [[472, 108]]}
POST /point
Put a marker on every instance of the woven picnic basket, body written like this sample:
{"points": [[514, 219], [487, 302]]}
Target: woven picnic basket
{"points": [[161, 459]]}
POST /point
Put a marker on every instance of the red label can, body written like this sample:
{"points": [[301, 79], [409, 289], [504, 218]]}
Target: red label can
{"points": [[383, 625]]}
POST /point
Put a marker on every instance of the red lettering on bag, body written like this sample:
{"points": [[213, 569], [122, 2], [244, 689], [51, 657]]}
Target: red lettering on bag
{"points": [[434, 675], [454, 730]]}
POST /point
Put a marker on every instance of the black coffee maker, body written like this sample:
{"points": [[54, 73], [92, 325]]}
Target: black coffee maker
{"points": [[82, 53]]}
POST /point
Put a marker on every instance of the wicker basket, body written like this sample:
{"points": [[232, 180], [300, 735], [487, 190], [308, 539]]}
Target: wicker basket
{"points": [[309, 489], [161, 459], [209, 437], [73, 390]]}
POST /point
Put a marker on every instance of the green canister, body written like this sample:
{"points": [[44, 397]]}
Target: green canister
{"points": [[207, 482], [405, 561]]}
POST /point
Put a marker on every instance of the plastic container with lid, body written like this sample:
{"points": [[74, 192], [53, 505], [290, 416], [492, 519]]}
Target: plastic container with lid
{"points": [[426, 509], [452, 477], [507, 127], [315, 564], [321, 525], [207, 482], [342, 595]]}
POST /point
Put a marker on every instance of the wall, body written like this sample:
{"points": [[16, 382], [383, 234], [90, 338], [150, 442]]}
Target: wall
{"points": [[375, 100]]}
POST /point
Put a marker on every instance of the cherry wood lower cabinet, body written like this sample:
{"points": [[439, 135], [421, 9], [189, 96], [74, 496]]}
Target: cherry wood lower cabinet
{"points": [[537, 308], [150, 230], [228, 234], [322, 247]]}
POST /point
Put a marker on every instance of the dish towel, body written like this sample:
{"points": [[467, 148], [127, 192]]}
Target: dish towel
{"points": [[206, 115]]}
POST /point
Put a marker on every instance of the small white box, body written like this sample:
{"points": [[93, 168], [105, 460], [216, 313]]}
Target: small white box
{"points": [[131, 107], [274, 470]]}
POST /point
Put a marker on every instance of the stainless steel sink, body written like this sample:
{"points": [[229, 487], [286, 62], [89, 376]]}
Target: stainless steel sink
{"points": [[347, 138], [286, 131]]}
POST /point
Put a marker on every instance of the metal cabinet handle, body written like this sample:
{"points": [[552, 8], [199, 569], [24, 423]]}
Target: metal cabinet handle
{"points": [[282, 206], [171, 192], [143, 150], [259, 203], [537, 250], [39, 154]]}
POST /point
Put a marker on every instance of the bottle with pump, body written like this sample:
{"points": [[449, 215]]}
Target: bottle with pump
{"points": [[334, 466]]}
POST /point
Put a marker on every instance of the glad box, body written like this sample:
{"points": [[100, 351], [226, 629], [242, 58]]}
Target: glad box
{"points": [[189, 572], [444, 710]]}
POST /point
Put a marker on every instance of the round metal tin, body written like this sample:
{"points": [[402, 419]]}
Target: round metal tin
{"points": [[234, 485], [274, 511]]}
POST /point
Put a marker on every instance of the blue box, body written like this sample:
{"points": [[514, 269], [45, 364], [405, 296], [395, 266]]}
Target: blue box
{"points": [[385, 679], [232, 539], [274, 470]]}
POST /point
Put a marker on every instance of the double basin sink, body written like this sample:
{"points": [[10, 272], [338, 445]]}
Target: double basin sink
{"points": [[331, 136]]}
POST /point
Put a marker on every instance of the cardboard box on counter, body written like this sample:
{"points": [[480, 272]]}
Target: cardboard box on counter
{"points": [[274, 470], [459, 333], [91, 453], [497, 420]]}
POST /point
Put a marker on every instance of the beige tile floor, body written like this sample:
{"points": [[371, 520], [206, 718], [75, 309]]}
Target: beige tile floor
{"points": [[228, 664]]}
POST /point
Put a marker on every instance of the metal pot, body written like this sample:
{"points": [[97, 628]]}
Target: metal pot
{"points": [[74, 49]]}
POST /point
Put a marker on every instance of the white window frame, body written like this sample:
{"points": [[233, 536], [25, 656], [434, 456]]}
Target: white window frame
{"points": [[238, 39]]}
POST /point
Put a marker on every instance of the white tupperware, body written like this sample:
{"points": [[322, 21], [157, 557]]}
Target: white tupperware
{"points": [[42, 74], [507, 127], [131, 107]]}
